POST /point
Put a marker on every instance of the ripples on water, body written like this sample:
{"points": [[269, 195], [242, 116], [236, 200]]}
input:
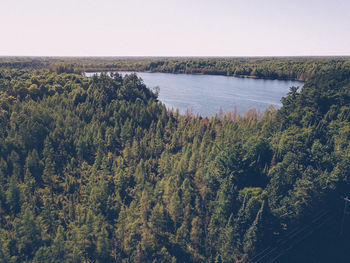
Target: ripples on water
{"points": [[207, 94]]}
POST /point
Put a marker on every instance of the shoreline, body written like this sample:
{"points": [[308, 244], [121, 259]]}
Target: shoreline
{"points": [[208, 74]]}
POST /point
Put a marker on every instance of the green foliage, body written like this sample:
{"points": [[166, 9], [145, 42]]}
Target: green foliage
{"points": [[298, 68], [97, 170]]}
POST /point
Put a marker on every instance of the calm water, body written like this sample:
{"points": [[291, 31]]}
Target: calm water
{"points": [[206, 94]]}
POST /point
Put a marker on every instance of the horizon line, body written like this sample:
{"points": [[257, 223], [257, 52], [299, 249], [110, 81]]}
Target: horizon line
{"points": [[173, 56]]}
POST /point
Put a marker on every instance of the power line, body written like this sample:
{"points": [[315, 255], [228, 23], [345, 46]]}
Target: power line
{"points": [[292, 238], [343, 219], [298, 234]]}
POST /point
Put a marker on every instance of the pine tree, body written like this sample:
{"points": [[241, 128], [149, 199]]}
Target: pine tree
{"points": [[197, 234], [16, 166], [253, 237], [157, 220], [175, 208], [29, 185], [49, 173], [13, 196], [28, 235], [3, 171], [58, 249], [34, 165], [140, 174], [103, 248]]}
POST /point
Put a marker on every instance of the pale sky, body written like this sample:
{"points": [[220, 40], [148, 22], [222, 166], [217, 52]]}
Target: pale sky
{"points": [[174, 28]]}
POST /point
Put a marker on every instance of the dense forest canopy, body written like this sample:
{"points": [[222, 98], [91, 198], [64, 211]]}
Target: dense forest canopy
{"points": [[293, 68], [98, 170]]}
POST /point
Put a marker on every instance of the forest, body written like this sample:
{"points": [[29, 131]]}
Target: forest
{"points": [[283, 68], [98, 170]]}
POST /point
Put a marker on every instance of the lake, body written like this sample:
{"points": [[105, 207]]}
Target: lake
{"points": [[206, 94]]}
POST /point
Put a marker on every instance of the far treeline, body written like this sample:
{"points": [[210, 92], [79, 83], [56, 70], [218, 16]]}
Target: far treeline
{"points": [[98, 170], [284, 68]]}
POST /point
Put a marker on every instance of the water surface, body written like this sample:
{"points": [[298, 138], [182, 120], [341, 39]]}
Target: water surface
{"points": [[206, 94]]}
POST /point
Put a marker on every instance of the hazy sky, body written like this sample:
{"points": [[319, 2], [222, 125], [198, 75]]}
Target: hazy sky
{"points": [[174, 28]]}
